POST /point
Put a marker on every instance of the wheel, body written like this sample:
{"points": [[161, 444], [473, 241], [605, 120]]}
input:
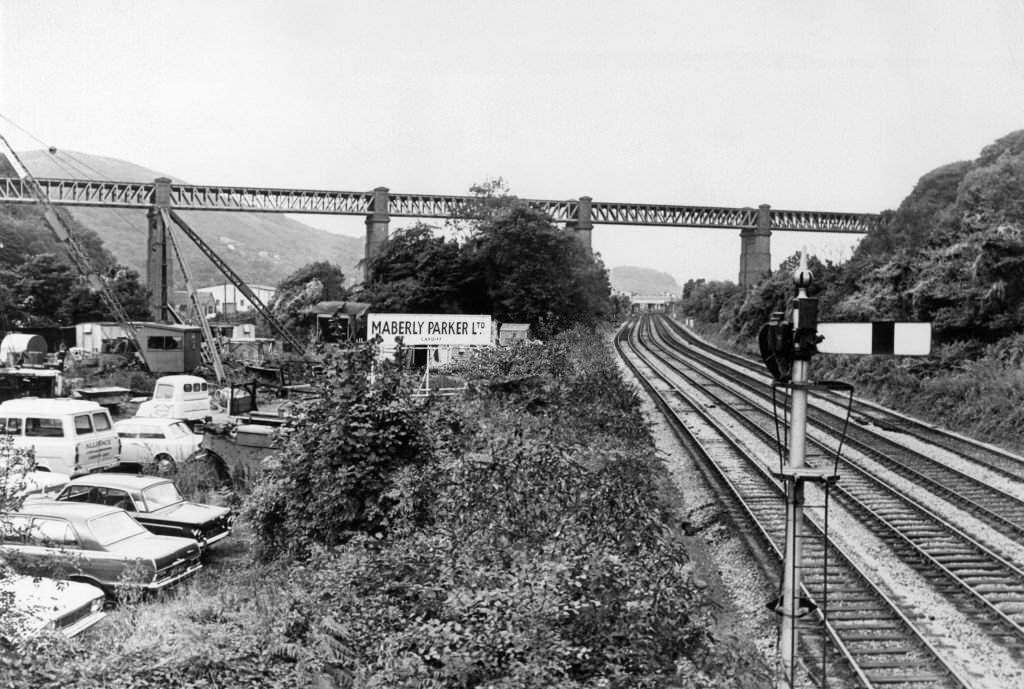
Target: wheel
{"points": [[165, 465]]}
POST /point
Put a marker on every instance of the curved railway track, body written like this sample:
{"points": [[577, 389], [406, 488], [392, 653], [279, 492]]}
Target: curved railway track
{"points": [[862, 636], [986, 587], [992, 458]]}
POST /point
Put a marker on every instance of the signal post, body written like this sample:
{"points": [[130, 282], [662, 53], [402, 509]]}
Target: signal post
{"points": [[787, 347]]}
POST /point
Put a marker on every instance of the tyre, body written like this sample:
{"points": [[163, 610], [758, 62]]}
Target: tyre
{"points": [[165, 465]]}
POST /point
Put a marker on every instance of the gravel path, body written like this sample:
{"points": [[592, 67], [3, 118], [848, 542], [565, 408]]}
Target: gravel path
{"points": [[720, 557]]}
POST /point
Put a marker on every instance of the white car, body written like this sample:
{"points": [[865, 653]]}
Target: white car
{"points": [[38, 604], [160, 441], [32, 484]]}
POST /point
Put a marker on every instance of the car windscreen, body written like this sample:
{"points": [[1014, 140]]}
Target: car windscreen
{"points": [[114, 527], [178, 429], [161, 495]]}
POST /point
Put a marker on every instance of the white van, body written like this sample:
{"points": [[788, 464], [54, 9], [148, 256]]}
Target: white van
{"points": [[69, 436], [178, 397]]}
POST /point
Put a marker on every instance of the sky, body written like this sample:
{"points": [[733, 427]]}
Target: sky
{"points": [[802, 104]]}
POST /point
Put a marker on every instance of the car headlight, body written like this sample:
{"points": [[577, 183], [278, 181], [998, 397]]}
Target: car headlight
{"points": [[197, 534], [97, 605]]}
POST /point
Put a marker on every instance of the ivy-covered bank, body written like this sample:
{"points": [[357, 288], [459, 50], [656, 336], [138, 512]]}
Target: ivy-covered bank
{"points": [[526, 535]]}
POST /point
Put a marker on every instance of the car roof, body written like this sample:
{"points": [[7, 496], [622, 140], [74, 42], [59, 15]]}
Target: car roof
{"points": [[52, 406], [179, 379], [53, 508], [117, 480]]}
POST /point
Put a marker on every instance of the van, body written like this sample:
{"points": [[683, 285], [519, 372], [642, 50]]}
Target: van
{"points": [[69, 436], [178, 397]]}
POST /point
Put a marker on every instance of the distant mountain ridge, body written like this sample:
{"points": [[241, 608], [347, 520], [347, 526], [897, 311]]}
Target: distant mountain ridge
{"points": [[643, 281], [262, 248]]}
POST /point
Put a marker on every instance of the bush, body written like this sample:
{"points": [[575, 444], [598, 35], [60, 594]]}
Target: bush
{"points": [[338, 454]]}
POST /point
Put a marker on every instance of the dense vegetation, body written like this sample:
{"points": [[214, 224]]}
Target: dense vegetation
{"points": [[951, 254], [504, 258], [38, 285], [524, 536]]}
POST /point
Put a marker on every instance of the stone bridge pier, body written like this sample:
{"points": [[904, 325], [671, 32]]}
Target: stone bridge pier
{"points": [[755, 249], [377, 222]]}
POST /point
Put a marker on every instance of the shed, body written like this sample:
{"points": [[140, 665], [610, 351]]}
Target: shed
{"points": [[351, 313], [513, 332], [168, 348]]}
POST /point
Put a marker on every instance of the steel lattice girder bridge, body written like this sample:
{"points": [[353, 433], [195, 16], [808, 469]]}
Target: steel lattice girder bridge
{"points": [[72, 192]]}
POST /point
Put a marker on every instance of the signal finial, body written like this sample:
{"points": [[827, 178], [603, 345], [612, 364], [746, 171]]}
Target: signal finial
{"points": [[802, 276]]}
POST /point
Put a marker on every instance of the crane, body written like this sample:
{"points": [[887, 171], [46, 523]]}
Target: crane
{"points": [[79, 258]]}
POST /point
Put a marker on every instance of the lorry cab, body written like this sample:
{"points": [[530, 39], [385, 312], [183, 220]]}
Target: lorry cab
{"points": [[178, 397], [68, 436]]}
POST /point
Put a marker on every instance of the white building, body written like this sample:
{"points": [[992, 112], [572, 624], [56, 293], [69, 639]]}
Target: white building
{"points": [[228, 299]]}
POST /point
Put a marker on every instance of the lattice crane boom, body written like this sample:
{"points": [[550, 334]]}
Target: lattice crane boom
{"points": [[237, 281], [204, 325], [75, 252]]}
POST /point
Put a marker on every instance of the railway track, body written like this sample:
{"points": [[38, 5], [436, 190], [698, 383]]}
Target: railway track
{"points": [[992, 458], [985, 586], [860, 636], [983, 500]]}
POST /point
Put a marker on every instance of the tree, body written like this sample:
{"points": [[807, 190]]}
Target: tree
{"points": [[536, 273], [513, 263], [310, 284], [417, 271], [83, 304], [38, 290]]}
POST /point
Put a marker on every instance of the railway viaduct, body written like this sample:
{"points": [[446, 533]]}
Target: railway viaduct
{"points": [[380, 205]]}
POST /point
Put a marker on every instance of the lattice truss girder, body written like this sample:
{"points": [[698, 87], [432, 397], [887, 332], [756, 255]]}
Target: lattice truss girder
{"points": [[71, 192]]}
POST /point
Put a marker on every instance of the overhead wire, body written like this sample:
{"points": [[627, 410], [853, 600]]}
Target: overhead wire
{"points": [[83, 171]]}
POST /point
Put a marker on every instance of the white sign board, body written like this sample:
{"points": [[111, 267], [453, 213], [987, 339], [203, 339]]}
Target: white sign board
{"points": [[886, 337], [418, 329]]}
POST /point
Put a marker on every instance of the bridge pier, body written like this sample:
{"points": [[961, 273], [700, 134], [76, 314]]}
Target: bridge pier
{"points": [[377, 221], [582, 226], [159, 267], [755, 249]]}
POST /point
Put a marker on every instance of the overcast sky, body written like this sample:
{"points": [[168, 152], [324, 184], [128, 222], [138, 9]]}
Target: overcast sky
{"points": [[811, 105]]}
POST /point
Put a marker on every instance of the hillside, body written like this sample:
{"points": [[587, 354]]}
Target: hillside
{"points": [[952, 253], [637, 280], [263, 248]]}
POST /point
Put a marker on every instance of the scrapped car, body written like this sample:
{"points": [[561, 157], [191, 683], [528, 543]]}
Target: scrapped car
{"points": [[181, 397], [97, 544], [166, 443], [30, 484], [155, 503], [39, 604], [67, 436]]}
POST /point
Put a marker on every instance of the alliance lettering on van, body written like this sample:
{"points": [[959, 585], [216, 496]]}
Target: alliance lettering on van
{"points": [[429, 329]]}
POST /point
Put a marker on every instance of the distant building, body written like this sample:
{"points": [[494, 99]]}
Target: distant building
{"points": [[228, 299], [181, 303], [651, 302], [513, 332]]}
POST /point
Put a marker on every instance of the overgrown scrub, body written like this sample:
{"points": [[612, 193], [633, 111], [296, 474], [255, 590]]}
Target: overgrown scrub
{"points": [[523, 537], [538, 547], [339, 452]]}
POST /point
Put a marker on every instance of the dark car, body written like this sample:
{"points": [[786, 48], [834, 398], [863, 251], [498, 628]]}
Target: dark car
{"points": [[97, 544], [155, 503]]}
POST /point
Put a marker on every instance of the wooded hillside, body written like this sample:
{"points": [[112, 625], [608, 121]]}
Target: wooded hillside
{"points": [[951, 254]]}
